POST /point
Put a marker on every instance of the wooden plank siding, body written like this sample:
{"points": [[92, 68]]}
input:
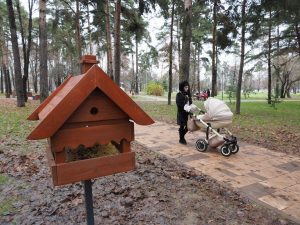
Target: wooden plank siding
{"points": [[71, 172]]}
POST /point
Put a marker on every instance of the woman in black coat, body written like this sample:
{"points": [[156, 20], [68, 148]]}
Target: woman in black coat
{"points": [[183, 97]]}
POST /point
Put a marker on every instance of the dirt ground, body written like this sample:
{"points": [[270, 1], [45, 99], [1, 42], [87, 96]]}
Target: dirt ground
{"points": [[159, 191]]}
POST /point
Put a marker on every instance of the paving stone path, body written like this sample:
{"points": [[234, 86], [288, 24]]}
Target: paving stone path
{"points": [[268, 177]]}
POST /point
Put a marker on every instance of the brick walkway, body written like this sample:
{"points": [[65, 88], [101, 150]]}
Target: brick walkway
{"points": [[268, 177]]}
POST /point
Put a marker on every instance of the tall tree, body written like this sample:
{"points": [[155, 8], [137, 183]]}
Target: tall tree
{"points": [[138, 27], [89, 29], [44, 89], [171, 54], [223, 33], [198, 71], [16, 54], [184, 69], [77, 24], [135, 25], [241, 70], [108, 41], [5, 68], [2, 81], [214, 90], [201, 31], [7, 82], [117, 48], [3, 29], [26, 43], [269, 58], [34, 69]]}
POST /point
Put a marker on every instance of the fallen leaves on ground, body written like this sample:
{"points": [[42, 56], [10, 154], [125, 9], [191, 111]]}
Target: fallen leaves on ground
{"points": [[159, 191]]}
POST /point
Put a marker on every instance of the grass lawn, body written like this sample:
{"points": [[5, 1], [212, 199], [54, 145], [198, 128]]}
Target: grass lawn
{"points": [[260, 96], [252, 113], [256, 96], [259, 123], [14, 128]]}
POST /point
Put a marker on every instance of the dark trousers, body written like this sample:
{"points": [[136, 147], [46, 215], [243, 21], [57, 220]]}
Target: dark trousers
{"points": [[182, 131]]}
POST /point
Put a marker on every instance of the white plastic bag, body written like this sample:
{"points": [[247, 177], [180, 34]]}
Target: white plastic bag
{"points": [[190, 108]]}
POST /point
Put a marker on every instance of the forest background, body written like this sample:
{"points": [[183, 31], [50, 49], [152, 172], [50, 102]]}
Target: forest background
{"points": [[237, 47]]}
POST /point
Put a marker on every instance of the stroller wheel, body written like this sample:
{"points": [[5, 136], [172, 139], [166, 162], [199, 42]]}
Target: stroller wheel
{"points": [[225, 150], [201, 145], [234, 148]]}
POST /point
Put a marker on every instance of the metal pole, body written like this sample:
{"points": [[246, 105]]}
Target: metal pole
{"points": [[88, 196]]}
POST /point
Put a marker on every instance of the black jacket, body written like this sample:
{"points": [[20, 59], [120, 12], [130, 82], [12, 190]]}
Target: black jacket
{"points": [[182, 98]]}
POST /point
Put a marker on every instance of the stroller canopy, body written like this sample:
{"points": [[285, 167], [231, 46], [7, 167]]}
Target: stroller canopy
{"points": [[217, 110]]}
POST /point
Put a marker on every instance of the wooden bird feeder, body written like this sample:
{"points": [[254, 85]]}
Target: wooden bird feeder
{"points": [[88, 109]]}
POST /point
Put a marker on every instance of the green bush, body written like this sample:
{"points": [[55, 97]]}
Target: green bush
{"points": [[155, 89]]}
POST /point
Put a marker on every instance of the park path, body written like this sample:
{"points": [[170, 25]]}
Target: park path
{"points": [[269, 178]]}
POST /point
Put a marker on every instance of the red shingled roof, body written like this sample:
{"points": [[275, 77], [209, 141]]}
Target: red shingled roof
{"points": [[60, 105]]}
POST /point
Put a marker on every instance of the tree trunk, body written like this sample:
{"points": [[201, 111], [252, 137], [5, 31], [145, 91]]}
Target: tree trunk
{"points": [[214, 52], [269, 59], [25, 75], [6, 81], [26, 48], [34, 69], [89, 29], [282, 90], [297, 35], [184, 69], [117, 55], [178, 39], [277, 70], [288, 86], [171, 54], [50, 84], [44, 88], [288, 93], [234, 73], [240, 78], [5, 70], [2, 81], [133, 76], [9, 82], [136, 66], [194, 70], [198, 72], [78, 37], [108, 42], [16, 54]]}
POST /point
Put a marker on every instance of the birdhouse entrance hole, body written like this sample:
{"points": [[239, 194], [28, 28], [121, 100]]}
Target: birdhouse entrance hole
{"points": [[94, 110]]}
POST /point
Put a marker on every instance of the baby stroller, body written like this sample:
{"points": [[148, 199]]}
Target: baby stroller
{"points": [[214, 120], [201, 96]]}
